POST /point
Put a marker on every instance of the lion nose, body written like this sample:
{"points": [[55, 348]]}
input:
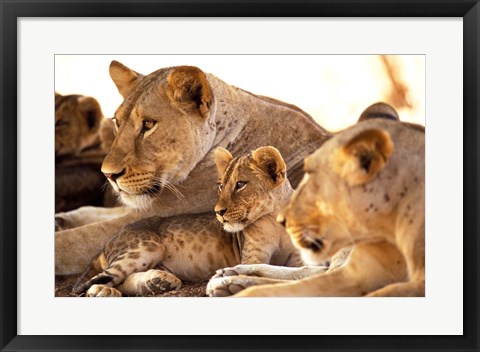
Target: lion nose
{"points": [[114, 176], [221, 211]]}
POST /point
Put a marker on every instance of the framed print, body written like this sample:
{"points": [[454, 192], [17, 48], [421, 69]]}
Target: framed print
{"points": [[427, 52]]}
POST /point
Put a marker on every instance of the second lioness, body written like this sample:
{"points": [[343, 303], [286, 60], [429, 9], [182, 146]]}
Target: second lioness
{"points": [[157, 253]]}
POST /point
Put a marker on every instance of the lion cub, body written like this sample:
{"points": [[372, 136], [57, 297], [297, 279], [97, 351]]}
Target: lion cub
{"points": [[155, 254]]}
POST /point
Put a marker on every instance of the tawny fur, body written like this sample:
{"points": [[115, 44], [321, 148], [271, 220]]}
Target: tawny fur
{"points": [[168, 169], [228, 281], [193, 247], [78, 155], [383, 216]]}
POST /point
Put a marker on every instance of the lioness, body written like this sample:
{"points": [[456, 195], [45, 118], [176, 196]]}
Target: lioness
{"points": [[78, 153], [157, 253], [365, 187], [161, 161]]}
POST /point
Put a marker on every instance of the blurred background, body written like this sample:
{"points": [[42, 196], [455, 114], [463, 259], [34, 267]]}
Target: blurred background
{"points": [[333, 89]]}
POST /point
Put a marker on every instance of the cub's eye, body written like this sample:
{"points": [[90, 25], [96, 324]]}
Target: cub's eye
{"points": [[60, 123], [148, 125], [240, 185], [220, 187]]}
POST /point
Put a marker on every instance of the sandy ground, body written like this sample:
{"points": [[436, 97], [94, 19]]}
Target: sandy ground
{"points": [[64, 284]]}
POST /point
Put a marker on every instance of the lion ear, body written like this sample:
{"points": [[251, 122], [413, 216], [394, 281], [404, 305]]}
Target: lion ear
{"points": [[363, 157], [91, 111], [222, 158], [57, 97], [189, 85], [270, 161], [123, 77], [379, 111]]}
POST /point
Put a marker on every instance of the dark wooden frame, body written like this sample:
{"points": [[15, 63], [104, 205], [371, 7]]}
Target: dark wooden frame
{"points": [[10, 10]]}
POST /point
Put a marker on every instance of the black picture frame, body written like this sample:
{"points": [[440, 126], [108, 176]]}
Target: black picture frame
{"points": [[11, 10]]}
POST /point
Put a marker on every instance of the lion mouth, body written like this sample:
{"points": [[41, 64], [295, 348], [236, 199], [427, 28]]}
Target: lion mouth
{"points": [[153, 191]]}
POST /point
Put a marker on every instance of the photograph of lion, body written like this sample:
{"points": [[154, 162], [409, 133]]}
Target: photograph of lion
{"points": [[203, 179]]}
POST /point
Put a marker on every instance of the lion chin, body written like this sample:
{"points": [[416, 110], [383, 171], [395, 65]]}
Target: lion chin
{"points": [[137, 201], [233, 227], [310, 258]]}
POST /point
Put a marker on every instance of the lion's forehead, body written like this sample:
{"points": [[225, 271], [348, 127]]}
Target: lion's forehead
{"points": [[148, 98], [402, 174], [239, 169]]}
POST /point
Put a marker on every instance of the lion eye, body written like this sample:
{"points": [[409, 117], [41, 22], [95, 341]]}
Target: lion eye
{"points": [[148, 125], [240, 185], [220, 187], [60, 123]]}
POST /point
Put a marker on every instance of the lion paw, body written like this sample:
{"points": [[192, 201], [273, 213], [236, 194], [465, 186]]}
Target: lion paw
{"points": [[225, 272], [226, 286], [102, 291], [159, 281]]}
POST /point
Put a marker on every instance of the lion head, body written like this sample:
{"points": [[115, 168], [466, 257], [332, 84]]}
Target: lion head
{"points": [[354, 186], [77, 122], [250, 186], [162, 130]]}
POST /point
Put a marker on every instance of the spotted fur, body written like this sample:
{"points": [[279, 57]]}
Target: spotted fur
{"points": [[193, 247], [168, 126]]}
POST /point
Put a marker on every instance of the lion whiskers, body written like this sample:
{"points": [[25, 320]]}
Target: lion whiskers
{"points": [[171, 187]]}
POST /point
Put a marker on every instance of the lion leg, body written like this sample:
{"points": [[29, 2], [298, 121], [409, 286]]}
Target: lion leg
{"points": [[411, 239], [271, 271], [229, 281], [261, 241], [103, 291], [87, 215], [127, 254], [149, 282], [402, 289], [75, 248], [230, 285], [369, 267]]}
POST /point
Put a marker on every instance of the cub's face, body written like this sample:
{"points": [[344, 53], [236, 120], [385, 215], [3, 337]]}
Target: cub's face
{"points": [[321, 217], [246, 185], [77, 121], [162, 130]]}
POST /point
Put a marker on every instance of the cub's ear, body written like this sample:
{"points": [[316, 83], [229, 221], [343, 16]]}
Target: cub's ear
{"points": [[270, 161], [91, 111], [361, 159], [189, 85], [123, 77], [379, 111], [222, 158]]}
